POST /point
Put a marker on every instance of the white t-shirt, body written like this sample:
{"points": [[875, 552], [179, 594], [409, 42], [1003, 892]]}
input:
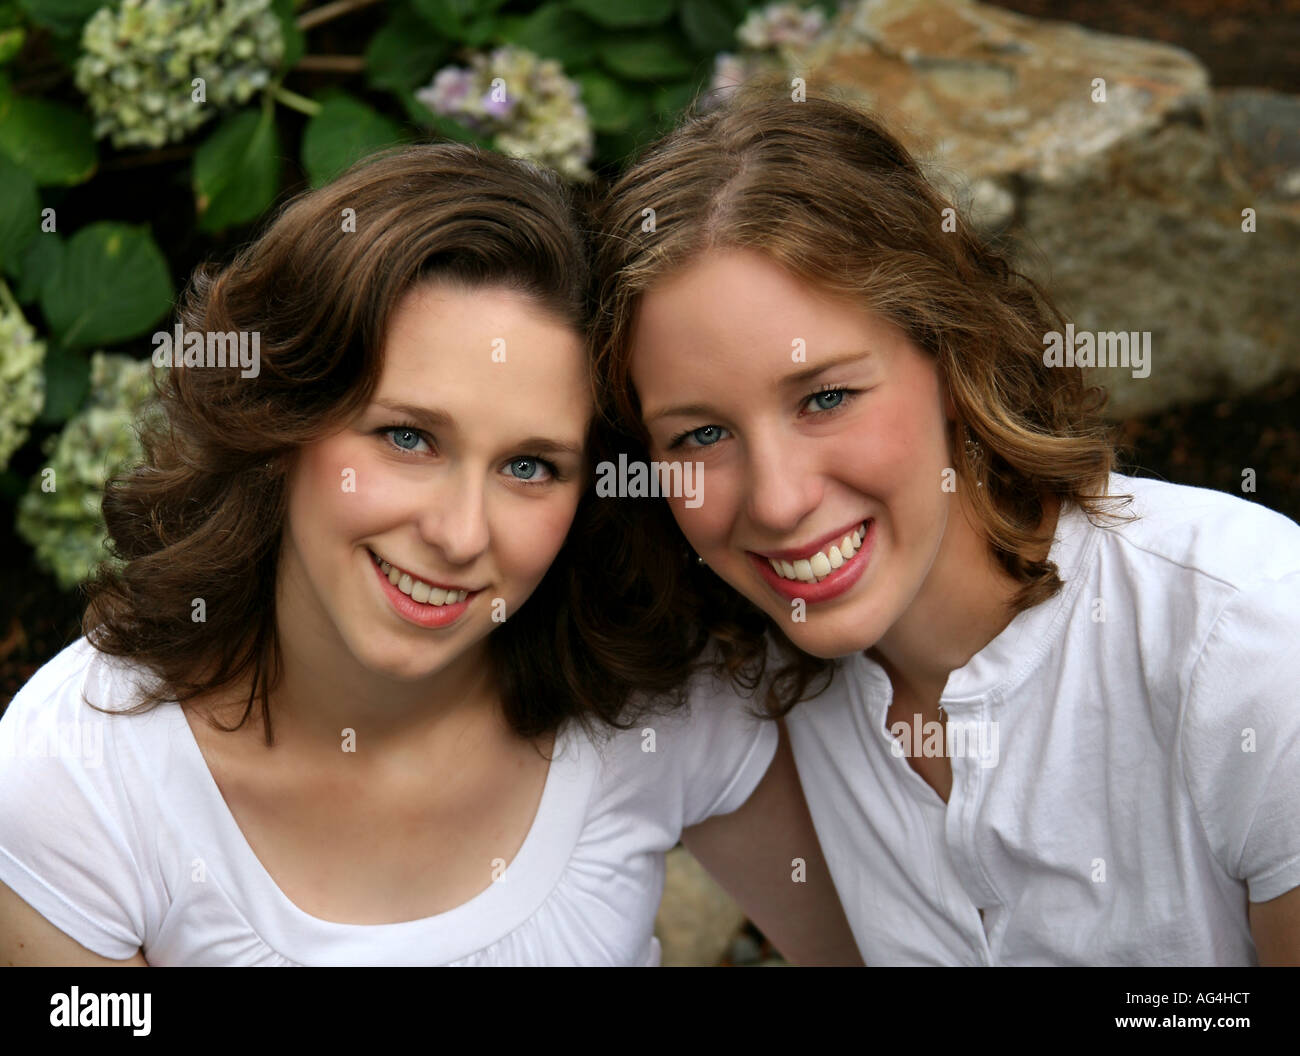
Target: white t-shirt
{"points": [[1140, 773], [113, 829]]}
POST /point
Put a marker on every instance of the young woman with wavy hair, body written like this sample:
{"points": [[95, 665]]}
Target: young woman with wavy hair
{"points": [[1043, 713], [362, 678]]}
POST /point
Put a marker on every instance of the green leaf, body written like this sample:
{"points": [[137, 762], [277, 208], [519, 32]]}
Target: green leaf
{"points": [[20, 213], [645, 56], [237, 170], [555, 32], [624, 14], [52, 141], [344, 131], [448, 17], [671, 99], [42, 258], [63, 17], [67, 381], [294, 43], [710, 25], [11, 43], [612, 106], [479, 31], [403, 54], [111, 285]]}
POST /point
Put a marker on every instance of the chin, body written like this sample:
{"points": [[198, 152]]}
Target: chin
{"points": [[396, 661], [830, 637], [830, 645]]}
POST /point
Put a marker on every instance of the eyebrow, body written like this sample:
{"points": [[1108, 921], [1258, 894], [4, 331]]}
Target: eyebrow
{"points": [[695, 410], [432, 418]]}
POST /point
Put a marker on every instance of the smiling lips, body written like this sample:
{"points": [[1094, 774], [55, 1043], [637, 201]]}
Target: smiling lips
{"points": [[821, 563], [418, 589], [823, 571]]}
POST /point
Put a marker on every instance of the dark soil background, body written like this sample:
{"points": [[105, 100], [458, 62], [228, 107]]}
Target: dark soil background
{"points": [[1244, 43]]}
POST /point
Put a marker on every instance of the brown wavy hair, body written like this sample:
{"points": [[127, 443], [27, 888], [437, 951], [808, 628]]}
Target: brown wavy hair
{"points": [[824, 189], [203, 516]]}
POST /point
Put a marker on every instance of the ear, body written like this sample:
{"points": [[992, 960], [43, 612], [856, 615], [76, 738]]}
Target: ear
{"points": [[949, 408]]}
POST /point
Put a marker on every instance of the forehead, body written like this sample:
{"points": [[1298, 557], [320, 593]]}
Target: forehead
{"points": [[489, 340], [735, 307]]}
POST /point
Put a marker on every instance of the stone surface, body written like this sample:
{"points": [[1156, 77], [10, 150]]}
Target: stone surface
{"points": [[1129, 211], [697, 920]]}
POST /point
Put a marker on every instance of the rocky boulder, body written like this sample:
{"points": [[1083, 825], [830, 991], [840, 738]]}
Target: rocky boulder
{"points": [[1143, 201]]}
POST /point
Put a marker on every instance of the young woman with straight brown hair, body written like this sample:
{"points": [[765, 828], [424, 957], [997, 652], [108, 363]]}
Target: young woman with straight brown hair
{"points": [[362, 678], [1049, 712]]}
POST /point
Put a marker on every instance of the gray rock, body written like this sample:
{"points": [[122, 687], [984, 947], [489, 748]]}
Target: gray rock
{"points": [[697, 919], [1129, 211]]}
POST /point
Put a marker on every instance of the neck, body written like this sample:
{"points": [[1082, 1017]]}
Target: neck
{"points": [[320, 694], [966, 601], [323, 690]]}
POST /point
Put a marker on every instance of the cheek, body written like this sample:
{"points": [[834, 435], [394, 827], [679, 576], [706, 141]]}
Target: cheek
{"points": [[334, 490], [530, 540], [903, 444]]}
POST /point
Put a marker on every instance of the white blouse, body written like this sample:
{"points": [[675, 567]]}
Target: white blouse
{"points": [[113, 829]]}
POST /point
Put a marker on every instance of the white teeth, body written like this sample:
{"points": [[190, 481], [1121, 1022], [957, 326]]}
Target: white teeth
{"points": [[824, 562], [424, 593]]}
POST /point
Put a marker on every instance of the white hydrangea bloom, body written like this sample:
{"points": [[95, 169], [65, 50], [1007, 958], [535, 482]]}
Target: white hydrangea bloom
{"points": [[774, 37], [138, 63], [22, 380], [779, 26], [65, 525], [524, 103]]}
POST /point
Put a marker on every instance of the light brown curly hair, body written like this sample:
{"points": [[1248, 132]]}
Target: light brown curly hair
{"points": [[825, 190]]}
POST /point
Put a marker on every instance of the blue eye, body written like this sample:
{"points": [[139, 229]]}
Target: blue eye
{"points": [[704, 436], [532, 470], [403, 437], [829, 399]]}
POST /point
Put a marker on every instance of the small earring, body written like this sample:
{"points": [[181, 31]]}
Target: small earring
{"points": [[699, 560], [974, 453]]}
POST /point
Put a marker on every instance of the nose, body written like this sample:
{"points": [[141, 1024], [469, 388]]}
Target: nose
{"points": [[453, 518], [784, 483]]}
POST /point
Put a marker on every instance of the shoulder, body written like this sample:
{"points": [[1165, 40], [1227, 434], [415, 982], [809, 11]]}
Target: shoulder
{"points": [[70, 699], [75, 802], [694, 761], [1204, 532], [68, 734]]}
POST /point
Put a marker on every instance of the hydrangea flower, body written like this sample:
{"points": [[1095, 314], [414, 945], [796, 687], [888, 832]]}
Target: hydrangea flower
{"points": [[524, 103], [780, 27], [22, 378], [138, 61], [65, 525], [771, 38]]}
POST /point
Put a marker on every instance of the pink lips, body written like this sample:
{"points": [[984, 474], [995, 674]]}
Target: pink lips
{"points": [[839, 581], [429, 616], [800, 553]]}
